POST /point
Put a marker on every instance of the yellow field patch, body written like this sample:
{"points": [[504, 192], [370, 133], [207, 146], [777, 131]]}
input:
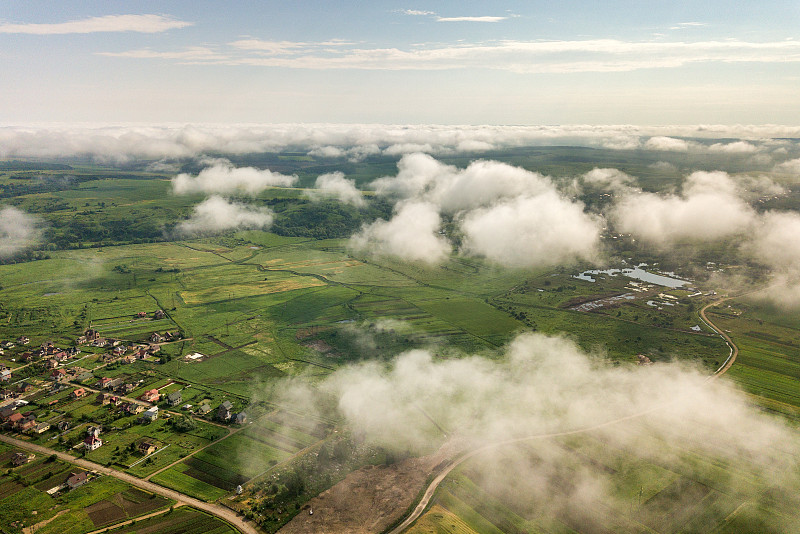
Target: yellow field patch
{"points": [[439, 520], [234, 291]]}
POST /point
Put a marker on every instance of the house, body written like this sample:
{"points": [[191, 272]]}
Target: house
{"points": [[175, 398], [77, 479], [116, 401], [25, 387], [52, 363], [91, 334], [159, 314], [14, 420], [26, 357], [61, 356], [41, 428], [141, 314], [21, 458], [63, 426], [92, 442], [7, 394], [79, 393], [5, 374], [23, 340], [58, 374], [103, 399], [132, 408], [240, 418], [28, 423], [124, 389], [150, 415], [81, 340], [6, 412], [151, 395], [224, 411], [147, 447], [119, 350], [155, 338], [204, 409]]}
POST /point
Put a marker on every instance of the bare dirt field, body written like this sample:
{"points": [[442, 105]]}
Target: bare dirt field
{"points": [[367, 500]]}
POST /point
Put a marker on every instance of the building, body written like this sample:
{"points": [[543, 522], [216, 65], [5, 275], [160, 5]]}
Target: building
{"points": [[224, 411], [175, 398], [151, 395], [147, 447], [240, 418], [79, 393], [77, 479], [41, 428], [58, 374], [5, 374], [21, 458], [92, 442], [204, 409], [151, 414]]}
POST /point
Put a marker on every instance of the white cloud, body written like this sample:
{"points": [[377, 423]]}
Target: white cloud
{"points": [[608, 179], [789, 167], [412, 234], [470, 19], [216, 214], [533, 231], [222, 177], [736, 147], [417, 12], [663, 166], [335, 185], [189, 54], [775, 243], [708, 209], [667, 144], [120, 143], [108, 23], [18, 231], [595, 55]]}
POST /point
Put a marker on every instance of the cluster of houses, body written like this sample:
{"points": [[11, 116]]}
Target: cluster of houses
{"points": [[11, 419]]}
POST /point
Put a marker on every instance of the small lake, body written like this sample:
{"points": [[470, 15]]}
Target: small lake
{"points": [[637, 273]]}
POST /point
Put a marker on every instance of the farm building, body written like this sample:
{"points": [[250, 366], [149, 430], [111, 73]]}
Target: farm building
{"points": [[240, 418], [151, 395], [92, 442], [147, 447]]}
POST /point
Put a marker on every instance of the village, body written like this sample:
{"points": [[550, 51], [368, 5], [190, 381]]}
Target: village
{"points": [[81, 399]]}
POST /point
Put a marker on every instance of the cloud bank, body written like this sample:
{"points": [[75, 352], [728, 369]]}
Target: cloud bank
{"points": [[335, 185], [216, 215], [223, 178], [18, 231], [667, 414], [506, 214], [412, 234]]}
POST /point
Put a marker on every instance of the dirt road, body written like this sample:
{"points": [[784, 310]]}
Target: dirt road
{"points": [[214, 509]]}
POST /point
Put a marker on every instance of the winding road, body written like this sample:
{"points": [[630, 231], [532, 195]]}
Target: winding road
{"points": [[434, 485], [221, 512]]}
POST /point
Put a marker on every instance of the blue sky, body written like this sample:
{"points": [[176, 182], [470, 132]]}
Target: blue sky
{"points": [[569, 62]]}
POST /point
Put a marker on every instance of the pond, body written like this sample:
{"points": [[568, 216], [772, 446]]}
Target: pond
{"points": [[637, 273]]}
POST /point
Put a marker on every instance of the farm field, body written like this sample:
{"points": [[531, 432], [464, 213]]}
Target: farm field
{"points": [[102, 501], [588, 484]]}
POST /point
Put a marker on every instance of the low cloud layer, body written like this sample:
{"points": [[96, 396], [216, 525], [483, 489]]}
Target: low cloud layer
{"points": [[542, 230], [540, 386], [335, 185], [412, 234], [506, 214], [355, 141], [221, 177], [18, 231], [708, 208], [216, 214]]}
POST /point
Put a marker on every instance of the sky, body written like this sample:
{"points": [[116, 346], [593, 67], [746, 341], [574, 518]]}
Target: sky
{"points": [[401, 62]]}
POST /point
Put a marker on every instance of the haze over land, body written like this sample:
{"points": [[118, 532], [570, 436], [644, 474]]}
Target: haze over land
{"points": [[535, 265]]}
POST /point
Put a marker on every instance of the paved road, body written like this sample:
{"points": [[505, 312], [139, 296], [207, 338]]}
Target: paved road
{"points": [[214, 509], [432, 487]]}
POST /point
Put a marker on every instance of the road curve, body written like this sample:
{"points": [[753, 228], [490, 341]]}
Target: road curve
{"points": [[734, 349], [432, 487], [221, 512]]}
